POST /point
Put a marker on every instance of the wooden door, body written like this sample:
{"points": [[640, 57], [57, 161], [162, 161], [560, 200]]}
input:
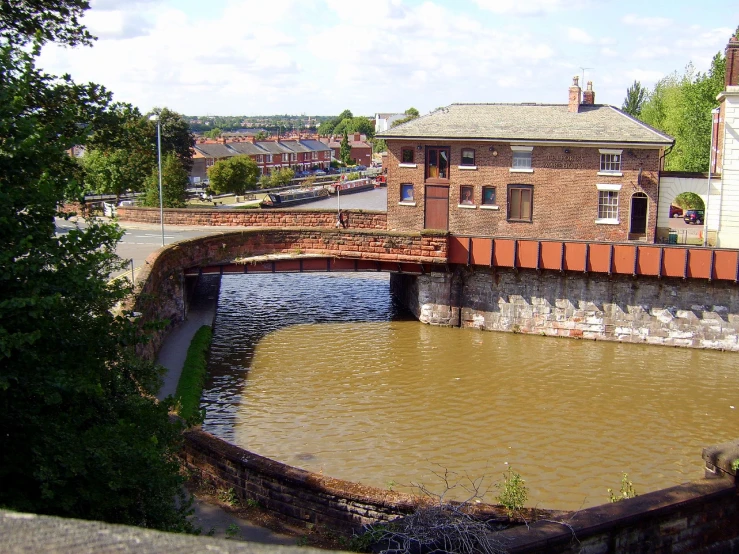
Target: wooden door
{"points": [[437, 207], [638, 214]]}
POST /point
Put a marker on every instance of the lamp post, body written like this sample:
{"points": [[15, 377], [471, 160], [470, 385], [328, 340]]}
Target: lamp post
{"points": [[155, 117], [714, 111]]}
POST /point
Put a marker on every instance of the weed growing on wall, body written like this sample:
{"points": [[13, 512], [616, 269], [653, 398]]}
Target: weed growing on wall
{"points": [[190, 386], [513, 492], [627, 490]]}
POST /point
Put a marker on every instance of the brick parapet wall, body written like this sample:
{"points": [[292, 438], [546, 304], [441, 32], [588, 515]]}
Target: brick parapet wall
{"points": [[353, 219]]}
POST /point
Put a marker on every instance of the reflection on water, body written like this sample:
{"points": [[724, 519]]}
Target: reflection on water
{"points": [[337, 384]]}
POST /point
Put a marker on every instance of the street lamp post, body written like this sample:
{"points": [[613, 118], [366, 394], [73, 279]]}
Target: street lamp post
{"points": [[159, 160], [714, 111]]}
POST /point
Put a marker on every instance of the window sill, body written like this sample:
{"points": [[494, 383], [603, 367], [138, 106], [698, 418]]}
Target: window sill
{"points": [[489, 207], [467, 167], [412, 166], [517, 170], [611, 173], [467, 206], [607, 221], [406, 203]]}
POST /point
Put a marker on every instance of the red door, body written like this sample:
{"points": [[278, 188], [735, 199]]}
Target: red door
{"points": [[437, 207]]}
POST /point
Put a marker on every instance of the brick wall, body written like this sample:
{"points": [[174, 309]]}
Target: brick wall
{"points": [[565, 198], [354, 219]]}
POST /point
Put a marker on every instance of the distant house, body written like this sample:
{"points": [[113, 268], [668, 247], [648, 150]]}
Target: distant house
{"points": [[384, 121], [579, 170], [361, 150]]}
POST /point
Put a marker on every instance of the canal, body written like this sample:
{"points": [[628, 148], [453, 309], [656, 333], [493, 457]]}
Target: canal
{"points": [[325, 373]]}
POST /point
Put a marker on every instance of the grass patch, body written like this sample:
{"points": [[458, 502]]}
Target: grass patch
{"points": [[190, 386]]}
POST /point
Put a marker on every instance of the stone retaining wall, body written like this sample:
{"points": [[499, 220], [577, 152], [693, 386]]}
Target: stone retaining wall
{"points": [[673, 312], [293, 217]]}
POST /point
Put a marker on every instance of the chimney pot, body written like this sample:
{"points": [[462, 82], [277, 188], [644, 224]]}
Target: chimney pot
{"points": [[573, 105], [588, 97]]}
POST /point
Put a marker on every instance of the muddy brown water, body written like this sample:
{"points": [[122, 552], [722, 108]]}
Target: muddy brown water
{"points": [[323, 372]]}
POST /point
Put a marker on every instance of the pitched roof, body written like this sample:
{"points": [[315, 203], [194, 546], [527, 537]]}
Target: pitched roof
{"points": [[599, 123], [214, 150], [273, 147], [314, 144], [247, 148], [295, 146]]}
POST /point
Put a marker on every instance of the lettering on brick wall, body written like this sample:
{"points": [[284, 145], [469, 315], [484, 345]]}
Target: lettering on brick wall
{"points": [[561, 162]]}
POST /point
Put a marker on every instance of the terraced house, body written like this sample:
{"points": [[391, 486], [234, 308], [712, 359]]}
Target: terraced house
{"points": [[579, 170], [268, 155]]}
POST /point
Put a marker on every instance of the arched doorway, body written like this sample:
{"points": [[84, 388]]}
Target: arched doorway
{"points": [[638, 223]]}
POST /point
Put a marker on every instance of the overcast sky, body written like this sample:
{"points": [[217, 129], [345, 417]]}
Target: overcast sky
{"points": [[319, 57]]}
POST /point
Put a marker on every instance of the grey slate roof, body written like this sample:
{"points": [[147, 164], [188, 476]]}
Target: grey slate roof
{"points": [[247, 148], [530, 122], [295, 146], [273, 147], [316, 145], [214, 150]]}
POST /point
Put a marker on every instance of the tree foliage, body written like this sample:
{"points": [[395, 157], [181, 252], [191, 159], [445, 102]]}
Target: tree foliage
{"points": [[236, 175], [176, 135], [680, 105], [82, 436], [329, 127], [689, 201], [279, 178], [345, 151], [23, 21], [636, 95], [213, 133], [174, 184], [356, 125], [410, 114]]}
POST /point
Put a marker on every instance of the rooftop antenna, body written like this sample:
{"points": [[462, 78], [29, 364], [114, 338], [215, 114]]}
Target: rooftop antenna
{"points": [[583, 74]]}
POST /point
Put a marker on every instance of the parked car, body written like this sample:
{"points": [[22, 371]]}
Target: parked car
{"points": [[694, 216], [360, 168], [319, 173], [675, 211]]}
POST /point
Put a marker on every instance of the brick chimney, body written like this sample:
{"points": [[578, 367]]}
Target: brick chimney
{"points": [[588, 97], [574, 102], [732, 62], [357, 137], [223, 140]]}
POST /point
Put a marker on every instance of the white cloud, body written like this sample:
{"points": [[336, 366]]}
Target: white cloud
{"points": [[116, 24], [578, 35], [646, 22], [609, 52], [522, 7]]}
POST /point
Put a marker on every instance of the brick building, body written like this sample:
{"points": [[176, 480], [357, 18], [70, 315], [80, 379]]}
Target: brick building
{"points": [[360, 149], [567, 171]]}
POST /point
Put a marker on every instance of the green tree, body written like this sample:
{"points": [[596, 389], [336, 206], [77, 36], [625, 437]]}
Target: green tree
{"points": [[689, 201], [262, 135], [281, 177], [113, 172], [356, 125], [345, 151], [176, 135], [410, 114], [213, 133], [236, 174], [44, 21], [82, 435], [680, 105], [174, 184], [636, 95]]}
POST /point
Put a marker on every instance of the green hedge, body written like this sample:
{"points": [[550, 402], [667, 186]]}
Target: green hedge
{"points": [[190, 386]]}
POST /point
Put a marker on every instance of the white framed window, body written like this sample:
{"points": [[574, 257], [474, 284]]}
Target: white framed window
{"points": [[521, 158], [315, 155], [608, 204], [259, 159], [209, 162], [610, 161], [269, 158]]}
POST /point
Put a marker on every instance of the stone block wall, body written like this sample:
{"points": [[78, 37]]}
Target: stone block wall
{"points": [[353, 219], [672, 312]]}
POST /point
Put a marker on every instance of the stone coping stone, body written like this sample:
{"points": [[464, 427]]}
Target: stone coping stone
{"points": [[722, 456], [540, 535], [23, 533]]}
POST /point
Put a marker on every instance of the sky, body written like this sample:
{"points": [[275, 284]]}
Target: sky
{"points": [[320, 57]]}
